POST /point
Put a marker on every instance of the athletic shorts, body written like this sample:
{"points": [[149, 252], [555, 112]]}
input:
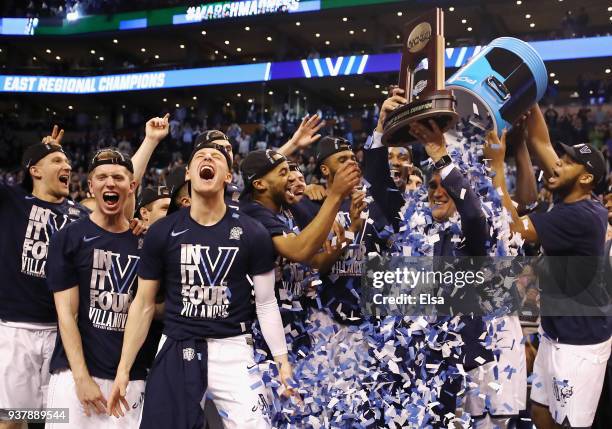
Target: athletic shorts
{"points": [[185, 373], [502, 384], [25, 354], [568, 379], [62, 394]]}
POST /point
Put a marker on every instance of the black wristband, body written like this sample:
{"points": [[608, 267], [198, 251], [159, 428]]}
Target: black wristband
{"points": [[442, 162]]}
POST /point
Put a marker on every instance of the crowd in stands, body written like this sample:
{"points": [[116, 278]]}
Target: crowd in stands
{"points": [[249, 130]]}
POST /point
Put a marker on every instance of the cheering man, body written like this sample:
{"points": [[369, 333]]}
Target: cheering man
{"points": [[92, 273], [31, 213], [574, 349], [209, 259]]}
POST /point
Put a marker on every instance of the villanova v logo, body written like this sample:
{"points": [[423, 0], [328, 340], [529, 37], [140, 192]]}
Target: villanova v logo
{"points": [[211, 269], [107, 267]]}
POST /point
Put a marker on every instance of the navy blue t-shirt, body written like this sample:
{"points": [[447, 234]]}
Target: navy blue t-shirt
{"points": [[104, 266], [206, 272], [292, 277], [572, 235], [27, 226]]}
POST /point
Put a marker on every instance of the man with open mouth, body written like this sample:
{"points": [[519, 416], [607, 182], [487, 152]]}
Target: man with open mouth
{"points": [[209, 260], [266, 198], [30, 214], [574, 339], [92, 274]]}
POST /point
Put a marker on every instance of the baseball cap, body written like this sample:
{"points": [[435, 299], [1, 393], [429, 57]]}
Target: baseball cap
{"points": [[256, 165], [206, 139], [329, 146], [174, 182], [32, 155], [590, 157], [114, 157], [150, 194]]}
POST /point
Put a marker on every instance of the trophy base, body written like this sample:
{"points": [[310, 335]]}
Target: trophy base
{"points": [[438, 106]]}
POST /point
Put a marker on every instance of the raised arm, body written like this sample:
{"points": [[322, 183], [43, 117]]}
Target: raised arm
{"points": [[137, 327], [539, 141], [526, 188], [304, 136], [156, 129], [495, 150], [303, 246], [87, 390]]}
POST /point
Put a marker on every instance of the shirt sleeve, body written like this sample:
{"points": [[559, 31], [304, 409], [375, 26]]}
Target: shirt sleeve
{"points": [[261, 250], [268, 219], [62, 273], [151, 264], [557, 229]]}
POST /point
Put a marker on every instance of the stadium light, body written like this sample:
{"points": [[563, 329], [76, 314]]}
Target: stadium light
{"points": [[239, 49], [69, 107], [377, 86], [247, 28], [341, 88], [327, 42], [528, 16], [250, 100], [270, 92], [34, 58], [317, 35], [182, 46], [143, 50], [345, 19], [556, 82], [165, 99], [607, 71], [519, 2], [463, 21], [364, 30], [203, 32], [351, 94], [297, 92], [552, 74], [254, 59], [216, 52], [93, 51], [451, 9], [269, 38], [298, 23], [115, 41], [226, 42], [532, 24], [57, 57], [469, 29], [399, 13], [48, 51], [351, 32], [101, 58], [239, 95], [156, 56], [194, 97]]}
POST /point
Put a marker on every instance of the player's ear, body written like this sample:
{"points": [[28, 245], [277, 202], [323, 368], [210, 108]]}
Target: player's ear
{"points": [[187, 177], [35, 172], [324, 170], [132, 186], [89, 187], [144, 214], [259, 185], [228, 178], [586, 179]]}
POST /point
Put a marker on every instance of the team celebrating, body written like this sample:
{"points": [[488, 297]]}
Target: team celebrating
{"points": [[143, 309]]}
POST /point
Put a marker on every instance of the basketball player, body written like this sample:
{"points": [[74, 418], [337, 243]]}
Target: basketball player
{"points": [[571, 361], [30, 214], [92, 273], [209, 259]]}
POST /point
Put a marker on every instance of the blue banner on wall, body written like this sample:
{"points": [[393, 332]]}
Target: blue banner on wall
{"points": [[311, 68]]}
